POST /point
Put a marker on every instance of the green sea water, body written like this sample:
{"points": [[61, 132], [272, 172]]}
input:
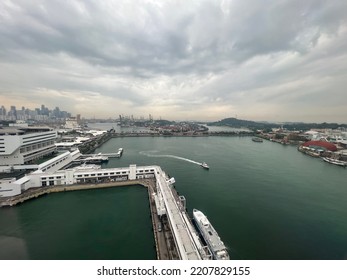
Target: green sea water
{"points": [[266, 200]]}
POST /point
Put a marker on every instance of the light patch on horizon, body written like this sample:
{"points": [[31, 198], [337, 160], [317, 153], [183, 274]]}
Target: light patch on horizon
{"points": [[207, 60]]}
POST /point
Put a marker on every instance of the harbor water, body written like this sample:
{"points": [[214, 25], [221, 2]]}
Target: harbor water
{"points": [[266, 201]]}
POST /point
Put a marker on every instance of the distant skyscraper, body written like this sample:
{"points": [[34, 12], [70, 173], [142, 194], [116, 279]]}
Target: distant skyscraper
{"points": [[3, 111], [13, 112]]}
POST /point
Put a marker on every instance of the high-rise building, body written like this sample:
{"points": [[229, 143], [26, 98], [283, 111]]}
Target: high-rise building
{"points": [[2, 111]]}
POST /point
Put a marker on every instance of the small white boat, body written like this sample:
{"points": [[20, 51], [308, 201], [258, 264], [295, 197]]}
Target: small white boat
{"points": [[204, 165], [257, 139], [95, 159], [335, 161]]}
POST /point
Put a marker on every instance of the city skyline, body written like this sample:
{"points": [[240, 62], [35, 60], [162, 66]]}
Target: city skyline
{"points": [[196, 60], [40, 113]]}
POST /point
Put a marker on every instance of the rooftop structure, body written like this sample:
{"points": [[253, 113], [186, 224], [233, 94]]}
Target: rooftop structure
{"points": [[320, 145]]}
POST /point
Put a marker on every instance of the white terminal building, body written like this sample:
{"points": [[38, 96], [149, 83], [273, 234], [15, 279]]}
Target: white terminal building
{"points": [[20, 146], [49, 175]]}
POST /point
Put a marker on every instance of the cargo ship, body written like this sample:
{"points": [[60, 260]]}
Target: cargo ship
{"points": [[210, 236]]}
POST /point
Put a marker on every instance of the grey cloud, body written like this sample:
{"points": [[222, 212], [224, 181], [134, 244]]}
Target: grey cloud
{"points": [[123, 49], [197, 35]]}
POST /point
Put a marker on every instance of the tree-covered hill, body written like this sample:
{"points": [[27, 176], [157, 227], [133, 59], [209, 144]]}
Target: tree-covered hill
{"points": [[233, 122]]}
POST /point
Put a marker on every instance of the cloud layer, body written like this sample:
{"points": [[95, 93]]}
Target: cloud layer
{"points": [[261, 60]]}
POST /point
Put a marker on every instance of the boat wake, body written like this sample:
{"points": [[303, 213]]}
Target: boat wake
{"points": [[152, 154]]}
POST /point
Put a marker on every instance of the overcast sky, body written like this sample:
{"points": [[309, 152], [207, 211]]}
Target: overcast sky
{"points": [[275, 60]]}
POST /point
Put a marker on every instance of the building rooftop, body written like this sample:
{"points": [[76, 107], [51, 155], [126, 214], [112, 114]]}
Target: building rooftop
{"points": [[11, 131], [326, 145], [23, 130]]}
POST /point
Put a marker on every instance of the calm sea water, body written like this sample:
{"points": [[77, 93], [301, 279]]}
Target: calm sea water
{"points": [[267, 201]]}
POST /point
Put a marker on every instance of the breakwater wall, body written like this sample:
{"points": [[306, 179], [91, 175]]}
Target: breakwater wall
{"points": [[40, 191], [161, 239]]}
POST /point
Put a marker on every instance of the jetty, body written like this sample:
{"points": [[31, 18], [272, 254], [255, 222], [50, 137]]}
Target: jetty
{"points": [[110, 155], [174, 234]]}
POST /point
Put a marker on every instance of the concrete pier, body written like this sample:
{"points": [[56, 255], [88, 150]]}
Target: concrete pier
{"points": [[160, 228], [161, 231], [174, 235], [36, 192]]}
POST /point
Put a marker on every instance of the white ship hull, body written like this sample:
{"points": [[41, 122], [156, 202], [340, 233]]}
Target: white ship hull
{"points": [[335, 161], [210, 236]]}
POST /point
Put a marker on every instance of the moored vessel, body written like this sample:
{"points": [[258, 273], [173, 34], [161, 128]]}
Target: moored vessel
{"points": [[95, 159], [257, 139], [210, 236], [335, 161]]}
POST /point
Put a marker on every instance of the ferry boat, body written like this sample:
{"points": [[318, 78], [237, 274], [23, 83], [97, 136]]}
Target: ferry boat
{"points": [[210, 236], [95, 159], [85, 166], [257, 139], [204, 165], [335, 161]]}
